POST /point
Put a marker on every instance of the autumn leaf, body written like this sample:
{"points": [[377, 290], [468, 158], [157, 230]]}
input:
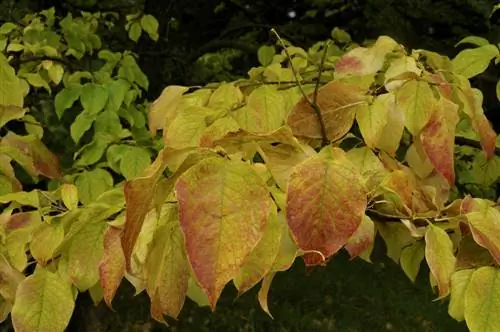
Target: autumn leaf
{"points": [[459, 282], [417, 102], [264, 293], [112, 264], [337, 103], [439, 255], [223, 206], [226, 97], [484, 224], [362, 240], [390, 137], [163, 110], [411, 259], [326, 201], [372, 119]]}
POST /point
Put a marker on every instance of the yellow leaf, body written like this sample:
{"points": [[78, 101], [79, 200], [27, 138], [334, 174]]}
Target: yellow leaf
{"points": [[459, 282], [440, 257], [482, 300]]}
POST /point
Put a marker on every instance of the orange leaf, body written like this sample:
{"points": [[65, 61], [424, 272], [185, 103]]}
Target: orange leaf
{"points": [[337, 103], [112, 265], [224, 206], [362, 239], [326, 201]]}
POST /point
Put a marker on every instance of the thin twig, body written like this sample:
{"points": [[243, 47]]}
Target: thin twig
{"points": [[313, 105], [320, 71]]}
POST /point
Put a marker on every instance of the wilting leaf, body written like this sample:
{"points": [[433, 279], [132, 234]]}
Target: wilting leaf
{"points": [[264, 111], [337, 103], [440, 257], [223, 206], [362, 240], [264, 293], [168, 270], [363, 61], [261, 259], [474, 61], [326, 201], [411, 259], [485, 227], [438, 138], [459, 283], [482, 300], [44, 302], [163, 110], [417, 102], [112, 264]]}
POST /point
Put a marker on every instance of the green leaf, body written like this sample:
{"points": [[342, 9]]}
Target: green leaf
{"points": [[134, 161], [93, 183], [82, 123], [459, 282], [11, 92], [411, 258], [30, 198], [474, 40], [7, 28], [116, 93], [108, 124], [265, 54], [10, 112], [498, 90], [93, 152], [135, 31], [416, 100], [150, 25], [340, 35], [482, 300], [223, 207], [38, 298], [472, 62], [485, 227], [94, 98], [46, 239], [69, 196]]}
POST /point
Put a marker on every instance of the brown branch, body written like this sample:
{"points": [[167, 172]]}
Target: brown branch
{"points": [[472, 143]]}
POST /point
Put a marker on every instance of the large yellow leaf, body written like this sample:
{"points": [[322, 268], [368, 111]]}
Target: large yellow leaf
{"points": [[416, 100], [164, 108], [439, 255], [372, 119], [459, 283], [326, 201], [337, 103], [485, 227], [44, 302], [482, 300], [168, 271], [226, 97], [224, 207]]}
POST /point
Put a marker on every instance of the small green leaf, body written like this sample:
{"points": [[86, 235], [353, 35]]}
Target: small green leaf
{"points": [[82, 123], [69, 196], [135, 31], [93, 183], [92, 152], [472, 62], [474, 40], [94, 98], [150, 25], [411, 258], [134, 161], [265, 54]]}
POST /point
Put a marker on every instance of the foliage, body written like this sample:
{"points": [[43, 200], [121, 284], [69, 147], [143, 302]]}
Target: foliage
{"points": [[317, 150]]}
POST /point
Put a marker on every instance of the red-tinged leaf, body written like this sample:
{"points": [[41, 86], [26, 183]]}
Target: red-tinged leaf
{"points": [[112, 265], [472, 105], [326, 201], [372, 119], [168, 270], [444, 87], [163, 109], [459, 282], [264, 293], [224, 206], [482, 300], [400, 70], [139, 195], [32, 154], [484, 224], [261, 259], [364, 61], [417, 102], [439, 255], [362, 240], [337, 103], [438, 138]]}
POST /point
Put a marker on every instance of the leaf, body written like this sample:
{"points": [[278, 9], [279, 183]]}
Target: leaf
{"points": [[30, 198], [112, 264], [288, 248], [93, 98], [38, 297], [134, 161], [223, 206], [337, 102], [411, 259], [66, 98], [108, 123], [459, 282], [261, 259], [484, 224], [396, 237], [372, 119], [10, 112], [482, 300], [362, 240], [264, 292], [326, 201], [497, 90], [472, 62], [93, 183], [438, 138], [11, 278], [56, 72], [116, 94], [46, 239], [399, 71], [265, 54], [196, 294], [390, 137], [218, 130], [226, 97], [439, 255], [168, 269], [11, 92], [264, 112], [364, 61], [82, 123], [93, 152], [418, 160], [474, 40], [417, 102], [150, 25], [163, 110], [135, 31]]}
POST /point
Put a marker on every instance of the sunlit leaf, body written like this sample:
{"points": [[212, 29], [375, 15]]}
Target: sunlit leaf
{"points": [[46, 239], [10, 112], [163, 110], [459, 283], [372, 119], [485, 227], [362, 240], [439, 255], [474, 61], [417, 102], [264, 293]]}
